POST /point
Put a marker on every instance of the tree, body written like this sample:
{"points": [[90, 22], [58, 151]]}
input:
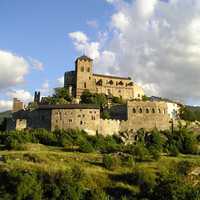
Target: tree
{"points": [[86, 97], [62, 93]]}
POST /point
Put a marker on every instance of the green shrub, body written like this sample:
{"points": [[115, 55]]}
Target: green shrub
{"points": [[98, 194], [184, 167], [140, 152], [173, 150], [155, 153], [19, 185], [110, 162], [86, 147], [145, 179]]}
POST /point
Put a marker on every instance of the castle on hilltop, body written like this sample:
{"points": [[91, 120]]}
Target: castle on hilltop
{"points": [[83, 78], [126, 118]]}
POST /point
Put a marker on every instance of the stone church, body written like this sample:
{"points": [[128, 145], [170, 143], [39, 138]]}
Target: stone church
{"points": [[83, 78]]}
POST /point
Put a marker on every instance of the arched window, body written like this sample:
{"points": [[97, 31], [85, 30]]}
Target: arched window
{"points": [[82, 69], [147, 110], [153, 110], [159, 110], [140, 110], [134, 110], [85, 85], [88, 70]]}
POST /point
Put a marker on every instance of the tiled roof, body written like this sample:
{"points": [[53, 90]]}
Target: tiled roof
{"points": [[84, 57], [110, 76]]}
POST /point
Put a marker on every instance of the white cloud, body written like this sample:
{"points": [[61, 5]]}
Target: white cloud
{"points": [[110, 1], [22, 95], [36, 64], [158, 44], [5, 105], [120, 21], [61, 81], [92, 23], [45, 89], [13, 69], [84, 46], [79, 37], [145, 8]]}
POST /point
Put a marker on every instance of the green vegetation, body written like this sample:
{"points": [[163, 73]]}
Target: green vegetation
{"points": [[38, 164], [60, 96], [190, 113]]}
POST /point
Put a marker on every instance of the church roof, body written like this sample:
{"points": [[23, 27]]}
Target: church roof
{"points": [[84, 57], [112, 77]]}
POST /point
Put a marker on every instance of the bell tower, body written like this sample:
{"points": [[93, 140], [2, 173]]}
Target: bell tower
{"points": [[84, 75]]}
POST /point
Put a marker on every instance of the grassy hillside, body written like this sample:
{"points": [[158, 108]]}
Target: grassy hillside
{"points": [[71, 165]]}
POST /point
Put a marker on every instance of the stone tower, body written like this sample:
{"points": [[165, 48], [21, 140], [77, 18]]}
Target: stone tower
{"points": [[37, 97], [84, 75], [17, 105]]}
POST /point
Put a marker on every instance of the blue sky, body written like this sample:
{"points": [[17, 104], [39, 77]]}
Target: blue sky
{"points": [[39, 29], [144, 39]]}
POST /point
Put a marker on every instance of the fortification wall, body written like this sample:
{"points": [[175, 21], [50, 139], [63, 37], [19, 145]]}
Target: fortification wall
{"points": [[147, 115], [109, 127], [86, 119]]}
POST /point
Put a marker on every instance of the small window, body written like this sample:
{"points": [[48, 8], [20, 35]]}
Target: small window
{"points": [[119, 91], [79, 115], [89, 78], [138, 95], [159, 110], [147, 110], [140, 110], [88, 70], [82, 69], [153, 110], [81, 122], [83, 115], [70, 120], [134, 110], [85, 86]]}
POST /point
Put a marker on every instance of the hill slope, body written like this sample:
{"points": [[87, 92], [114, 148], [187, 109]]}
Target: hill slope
{"points": [[4, 114]]}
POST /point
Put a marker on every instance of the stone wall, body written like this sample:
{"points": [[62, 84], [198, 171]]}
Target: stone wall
{"points": [[109, 127], [85, 119], [147, 115]]}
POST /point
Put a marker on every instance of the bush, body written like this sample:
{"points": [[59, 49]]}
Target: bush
{"points": [[19, 185], [173, 150], [155, 153], [97, 194], [145, 179], [110, 162], [140, 152], [85, 147], [184, 167]]}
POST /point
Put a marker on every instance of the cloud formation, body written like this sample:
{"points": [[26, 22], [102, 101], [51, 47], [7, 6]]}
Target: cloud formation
{"points": [[5, 105], [157, 43], [13, 69], [20, 94], [36, 64]]}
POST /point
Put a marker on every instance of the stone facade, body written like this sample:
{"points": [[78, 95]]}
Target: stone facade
{"points": [[83, 78], [17, 105], [139, 114], [147, 115]]}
